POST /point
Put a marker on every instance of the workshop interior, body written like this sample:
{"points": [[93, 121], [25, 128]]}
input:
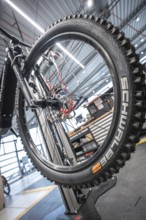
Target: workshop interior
{"points": [[72, 109]]}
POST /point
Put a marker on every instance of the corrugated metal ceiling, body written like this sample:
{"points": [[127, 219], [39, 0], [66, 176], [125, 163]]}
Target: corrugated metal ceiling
{"points": [[45, 12]]}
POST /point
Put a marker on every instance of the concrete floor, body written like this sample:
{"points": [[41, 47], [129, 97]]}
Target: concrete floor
{"points": [[22, 200], [126, 201]]}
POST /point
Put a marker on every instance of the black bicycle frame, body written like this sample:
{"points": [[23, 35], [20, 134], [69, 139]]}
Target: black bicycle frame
{"points": [[8, 84], [11, 74]]}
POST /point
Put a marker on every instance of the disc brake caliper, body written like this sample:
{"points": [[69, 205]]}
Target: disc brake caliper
{"points": [[66, 102]]}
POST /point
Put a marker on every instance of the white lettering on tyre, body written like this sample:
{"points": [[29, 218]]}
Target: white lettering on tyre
{"points": [[122, 123]]}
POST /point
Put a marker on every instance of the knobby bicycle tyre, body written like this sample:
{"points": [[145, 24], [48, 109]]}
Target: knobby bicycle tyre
{"points": [[127, 80]]}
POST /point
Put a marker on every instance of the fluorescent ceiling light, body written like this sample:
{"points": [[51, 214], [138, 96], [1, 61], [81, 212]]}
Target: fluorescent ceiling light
{"points": [[144, 61], [24, 15], [39, 60], [143, 58], [69, 54], [89, 3], [137, 19]]}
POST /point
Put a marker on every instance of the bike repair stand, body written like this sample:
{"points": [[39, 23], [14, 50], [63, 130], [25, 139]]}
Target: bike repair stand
{"points": [[82, 206], [79, 204]]}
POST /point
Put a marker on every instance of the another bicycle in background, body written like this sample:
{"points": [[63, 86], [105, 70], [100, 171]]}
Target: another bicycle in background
{"points": [[6, 186]]}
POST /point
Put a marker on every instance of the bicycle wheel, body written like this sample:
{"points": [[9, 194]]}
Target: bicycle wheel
{"points": [[79, 58], [6, 186]]}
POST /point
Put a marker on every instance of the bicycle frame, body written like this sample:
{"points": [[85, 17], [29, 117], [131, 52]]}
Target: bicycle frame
{"points": [[8, 86], [12, 74]]}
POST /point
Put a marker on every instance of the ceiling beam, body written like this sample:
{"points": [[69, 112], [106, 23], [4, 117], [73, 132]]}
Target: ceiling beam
{"points": [[139, 33], [90, 76], [135, 13]]}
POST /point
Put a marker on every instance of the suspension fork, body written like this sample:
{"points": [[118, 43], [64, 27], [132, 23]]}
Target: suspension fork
{"points": [[24, 86]]}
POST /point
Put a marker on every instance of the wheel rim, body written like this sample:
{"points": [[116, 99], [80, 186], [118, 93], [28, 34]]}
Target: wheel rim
{"points": [[78, 87]]}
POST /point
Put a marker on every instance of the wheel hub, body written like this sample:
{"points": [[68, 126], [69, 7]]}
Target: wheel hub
{"points": [[65, 101]]}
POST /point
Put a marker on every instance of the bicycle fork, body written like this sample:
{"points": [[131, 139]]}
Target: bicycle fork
{"points": [[22, 81]]}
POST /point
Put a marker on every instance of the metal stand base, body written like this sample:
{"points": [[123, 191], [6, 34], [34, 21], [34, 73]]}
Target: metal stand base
{"points": [[88, 210]]}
